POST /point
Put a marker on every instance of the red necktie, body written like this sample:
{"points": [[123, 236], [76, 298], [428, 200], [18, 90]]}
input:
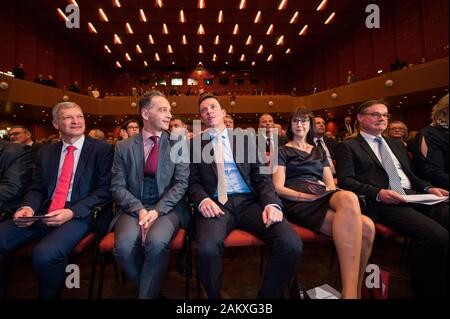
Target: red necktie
{"points": [[152, 160], [62, 187]]}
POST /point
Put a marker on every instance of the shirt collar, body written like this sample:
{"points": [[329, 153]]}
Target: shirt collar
{"points": [[146, 135], [223, 134], [369, 137], [78, 144]]}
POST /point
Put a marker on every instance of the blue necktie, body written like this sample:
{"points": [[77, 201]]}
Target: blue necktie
{"points": [[388, 164]]}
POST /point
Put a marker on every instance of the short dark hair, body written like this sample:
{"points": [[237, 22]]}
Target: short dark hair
{"points": [[126, 123], [179, 117], [205, 96], [21, 127], [301, 112], [363, 107], [145, 101]]}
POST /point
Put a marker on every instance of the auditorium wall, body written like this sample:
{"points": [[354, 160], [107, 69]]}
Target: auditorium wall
{"points": [[410, 30]]}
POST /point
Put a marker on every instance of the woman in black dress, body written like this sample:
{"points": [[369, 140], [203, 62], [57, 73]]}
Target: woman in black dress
{"points": [[304, 181], [430, 147]]}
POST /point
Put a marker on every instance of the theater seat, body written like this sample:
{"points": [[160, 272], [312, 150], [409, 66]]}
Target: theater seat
{"points": [[181, 241], [388, 233]]}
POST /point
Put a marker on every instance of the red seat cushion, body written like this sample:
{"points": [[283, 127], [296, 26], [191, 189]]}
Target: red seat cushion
{"points": [[386, 232], [242, 238], [107, 243], [308, 235], [86, 241]]}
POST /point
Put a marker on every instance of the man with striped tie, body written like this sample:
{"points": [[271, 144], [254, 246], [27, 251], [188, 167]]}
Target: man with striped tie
{"points": [[378, 168]]}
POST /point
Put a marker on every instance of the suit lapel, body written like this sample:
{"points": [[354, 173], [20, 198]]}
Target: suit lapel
{"points": [[365, 146], [53, 165], [206, 139], [163, 150], [137, 152], [84, 156]]}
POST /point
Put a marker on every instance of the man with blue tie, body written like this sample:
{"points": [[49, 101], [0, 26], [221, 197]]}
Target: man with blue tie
{"points": [[230, 192], [72, 177], [378, 168], [148, 183]]}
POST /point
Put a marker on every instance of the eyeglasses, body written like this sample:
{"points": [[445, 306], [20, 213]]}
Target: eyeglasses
{"points": [[396, 129], [129, 127], [302, 120], [377, 115]]}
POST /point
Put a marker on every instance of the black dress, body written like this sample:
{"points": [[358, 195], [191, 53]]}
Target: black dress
{"points": [[301, 167]]}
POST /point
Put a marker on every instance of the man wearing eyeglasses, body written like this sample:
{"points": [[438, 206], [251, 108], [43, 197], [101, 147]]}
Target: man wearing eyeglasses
{"points": [[129, 129], [378, 168]]}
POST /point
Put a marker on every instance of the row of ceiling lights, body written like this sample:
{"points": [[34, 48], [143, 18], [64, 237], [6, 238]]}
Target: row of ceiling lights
{"points": [[200, 31]]}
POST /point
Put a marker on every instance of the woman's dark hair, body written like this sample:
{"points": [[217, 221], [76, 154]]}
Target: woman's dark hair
{"points": [[301, 112]]}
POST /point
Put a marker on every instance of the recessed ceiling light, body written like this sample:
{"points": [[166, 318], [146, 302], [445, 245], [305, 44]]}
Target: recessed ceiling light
{"points": [[220, 17], [201, 30], [280, 40], [217, 40], [236, 29], [142, 15], [165, 29], [303, 30], [118, 65], [282, 5], [322, 5], [138, 49], [102, 15], [242, 5], [330, 18], [260, 49], [269, 30], [182, 18], [127, 57], [270, 58], [294, 18], [150, 39], [230, 49], [117, 39], [249, 40], [128, 28], [258, 17], [91, 28], [201, 4], [107, 49], [184, 39]]}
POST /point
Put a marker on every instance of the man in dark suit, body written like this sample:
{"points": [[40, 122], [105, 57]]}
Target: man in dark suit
{"points": [[16, 163], [72, 177], [378, 168], [149, 183], [328, 144], [266, 122], [230, 192]]}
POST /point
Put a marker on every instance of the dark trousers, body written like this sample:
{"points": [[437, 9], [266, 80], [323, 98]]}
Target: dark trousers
{"points": [[244, 212], [50, 256], [427, 227]]}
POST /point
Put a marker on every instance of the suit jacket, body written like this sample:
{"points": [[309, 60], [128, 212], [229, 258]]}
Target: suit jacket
{"points": [[91, 184], [16, 163], [359, 170], [128, 179], [331, 144], [203, 178]]}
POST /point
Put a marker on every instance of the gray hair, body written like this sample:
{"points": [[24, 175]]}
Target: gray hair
{"points": [[63, 106], [145, 100]]}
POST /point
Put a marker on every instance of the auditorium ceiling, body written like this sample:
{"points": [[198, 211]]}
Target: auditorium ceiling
{"points": [[139, 35]]}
